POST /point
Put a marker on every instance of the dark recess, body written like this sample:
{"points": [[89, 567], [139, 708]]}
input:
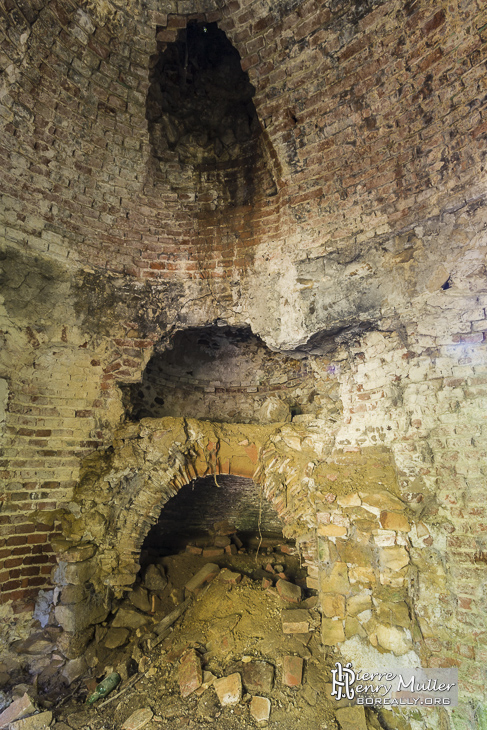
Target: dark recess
{"points": [[190, 515], [200, 101]]}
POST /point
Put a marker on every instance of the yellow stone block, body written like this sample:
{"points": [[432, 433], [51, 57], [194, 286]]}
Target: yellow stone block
{"points": [[332, 531], [359, 603], [332, 632], [333, 605], [349, 500], [394, 521], [335, 580], [394, 558], [360, 574]]}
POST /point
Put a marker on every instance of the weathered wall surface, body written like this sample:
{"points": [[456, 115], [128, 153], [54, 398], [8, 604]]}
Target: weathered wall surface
{"points": [[369, 255], [373, 119], [228, 374], [351, 535]]}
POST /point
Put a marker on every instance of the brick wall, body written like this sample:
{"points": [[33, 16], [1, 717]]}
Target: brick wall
{"points": [[374, 134], [369, 123]]}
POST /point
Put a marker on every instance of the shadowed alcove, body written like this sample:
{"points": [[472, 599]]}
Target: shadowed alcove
{"points": [[228, 374], [201, 116], [190, 516]]}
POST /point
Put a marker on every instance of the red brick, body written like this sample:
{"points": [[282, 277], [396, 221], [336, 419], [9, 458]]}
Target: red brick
{"points": [[13, 563], [292, 671], [36, 538], [194, 550], [435, 22], [288, 591], [213, 552], [17, 540], [190, 673]]}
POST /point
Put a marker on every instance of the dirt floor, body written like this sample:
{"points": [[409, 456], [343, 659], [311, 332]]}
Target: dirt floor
{"points": [[230, 625]]}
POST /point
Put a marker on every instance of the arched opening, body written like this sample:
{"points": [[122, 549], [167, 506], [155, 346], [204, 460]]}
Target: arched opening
{"points": [[202, 117], [171, 454], [202, 603], [228, 374], [189, 518], [217, 528], [220, 603]]}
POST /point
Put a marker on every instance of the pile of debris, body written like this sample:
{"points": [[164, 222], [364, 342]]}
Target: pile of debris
{"points": [[230, 643]]}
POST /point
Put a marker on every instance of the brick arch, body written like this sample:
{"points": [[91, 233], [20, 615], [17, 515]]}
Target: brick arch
{"points": [[150, 463], [353, 543], [209, 452]]}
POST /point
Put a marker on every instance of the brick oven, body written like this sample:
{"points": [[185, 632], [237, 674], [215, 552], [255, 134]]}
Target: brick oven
{"points": [[243, 359]]}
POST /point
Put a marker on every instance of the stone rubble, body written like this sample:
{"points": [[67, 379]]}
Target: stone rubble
{"points": [[190, 673], [250, 684], [260, 708], [18, 709], [229, 689], [351, 718], [138, 719], [41, 721], [349, 608]]}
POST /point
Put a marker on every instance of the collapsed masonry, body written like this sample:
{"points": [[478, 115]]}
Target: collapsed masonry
{"points": [[353, 532], [312, 246], [353, 582]]}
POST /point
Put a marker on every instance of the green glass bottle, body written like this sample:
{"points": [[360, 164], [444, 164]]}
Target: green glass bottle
{"points": [[104, 688]]}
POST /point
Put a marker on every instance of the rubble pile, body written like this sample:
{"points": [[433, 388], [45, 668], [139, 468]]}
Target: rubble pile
{"points": [[225, 634], [233, 643]]}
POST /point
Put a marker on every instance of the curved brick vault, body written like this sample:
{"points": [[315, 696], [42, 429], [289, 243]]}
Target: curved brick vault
{"points": [[371, 121], [351, 533], [152, 460]]}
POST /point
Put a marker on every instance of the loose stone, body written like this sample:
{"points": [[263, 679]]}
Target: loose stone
{"points": [[292, 671], [229, 689]]}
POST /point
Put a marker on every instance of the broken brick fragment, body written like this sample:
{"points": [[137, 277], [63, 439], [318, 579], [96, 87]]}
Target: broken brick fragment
{"points": [[295, 621], [194, 550], [260, 709], [292, 671], [228, 576], [229, 689], [288, 591], [287, 549], [190, 673], [205, 575], [212, 552]]}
